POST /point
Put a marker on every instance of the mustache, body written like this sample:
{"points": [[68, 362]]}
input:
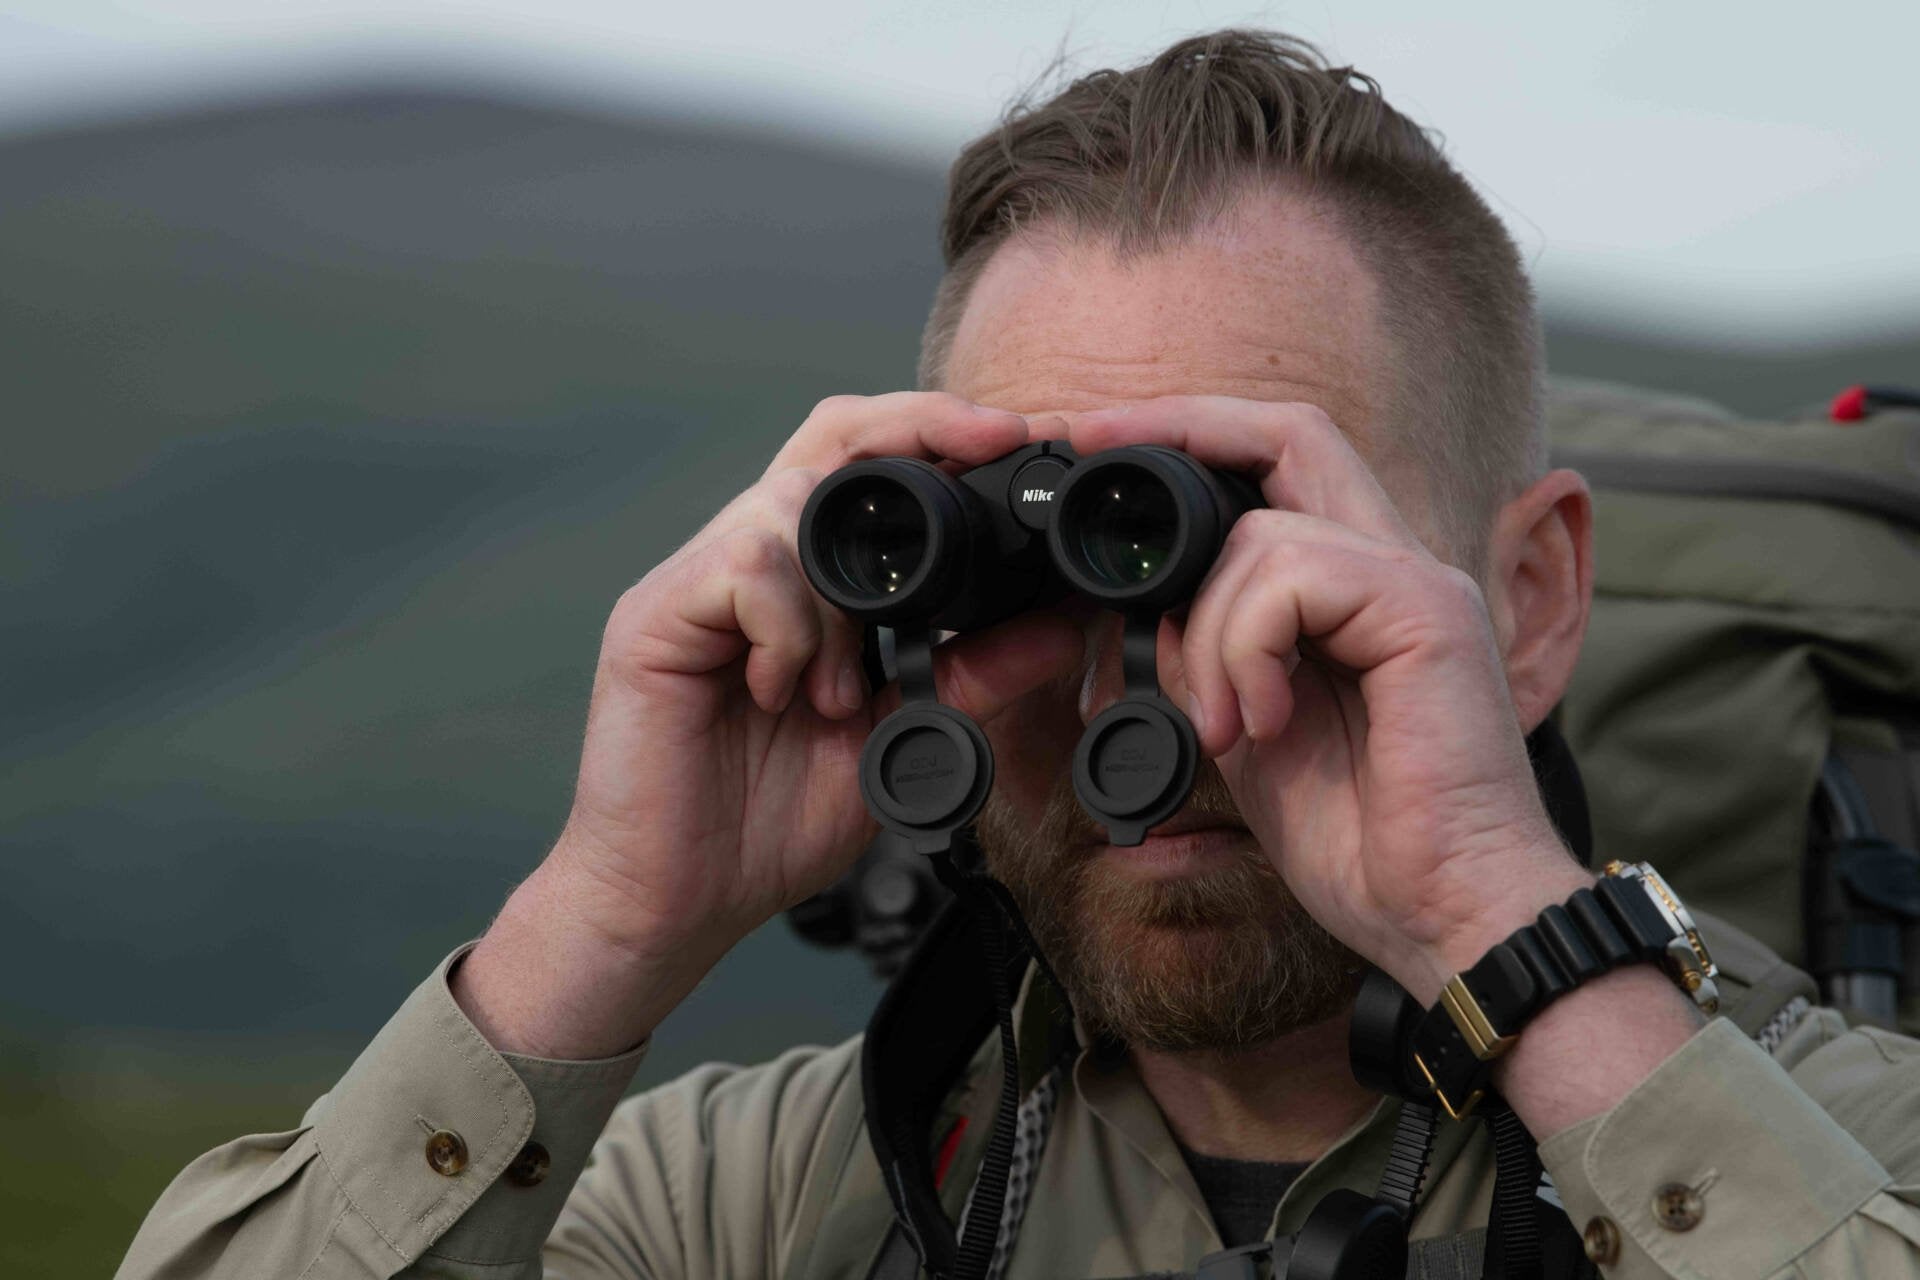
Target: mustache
{"points": [[1064, 824], [1064, 839]]}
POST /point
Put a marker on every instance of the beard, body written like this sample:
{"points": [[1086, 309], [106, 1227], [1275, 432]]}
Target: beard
{"points": [[1218, 961]]}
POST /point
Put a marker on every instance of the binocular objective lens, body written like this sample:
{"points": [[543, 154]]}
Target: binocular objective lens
{"points": [[1124, 523], [873, 535]]}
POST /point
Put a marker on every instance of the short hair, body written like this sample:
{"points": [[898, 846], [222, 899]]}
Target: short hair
{"points": [[1145, 155]]}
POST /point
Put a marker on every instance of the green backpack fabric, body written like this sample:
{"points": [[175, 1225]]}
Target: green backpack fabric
{"points": [[1756, 616]]}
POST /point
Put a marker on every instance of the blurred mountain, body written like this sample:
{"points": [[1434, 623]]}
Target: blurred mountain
{"points": [[336, 426]]}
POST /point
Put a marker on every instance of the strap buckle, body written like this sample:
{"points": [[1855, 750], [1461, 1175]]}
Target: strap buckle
{"points": [[1460, 1112]]}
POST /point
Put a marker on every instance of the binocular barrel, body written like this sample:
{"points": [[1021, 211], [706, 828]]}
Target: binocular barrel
{"points": [[890, 539], [897, 540], [901, 543], [1139, 527]]}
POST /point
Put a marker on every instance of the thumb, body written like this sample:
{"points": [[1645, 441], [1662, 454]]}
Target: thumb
{"points": [[983, 671]]}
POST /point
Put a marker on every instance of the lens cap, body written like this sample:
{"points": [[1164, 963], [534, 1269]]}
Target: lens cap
{"points": [[925, 773], [1134, 766]]}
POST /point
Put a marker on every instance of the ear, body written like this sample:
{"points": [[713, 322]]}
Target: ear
{"points": [[1539, 589]]}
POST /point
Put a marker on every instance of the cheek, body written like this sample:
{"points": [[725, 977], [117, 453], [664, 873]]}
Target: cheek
{"points": [[1033, 742]]}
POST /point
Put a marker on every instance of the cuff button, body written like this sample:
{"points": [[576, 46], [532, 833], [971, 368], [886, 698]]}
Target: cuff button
{"points": [[1678, 1207], [529, 1168], [1601, 1240], [446, 1152]]}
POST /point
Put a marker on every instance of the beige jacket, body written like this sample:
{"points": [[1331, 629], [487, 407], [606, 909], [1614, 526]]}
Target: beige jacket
{"points": [[1805, 1155]]}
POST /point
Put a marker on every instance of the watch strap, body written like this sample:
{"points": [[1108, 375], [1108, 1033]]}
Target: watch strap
{"points": [[1482, 1011]]}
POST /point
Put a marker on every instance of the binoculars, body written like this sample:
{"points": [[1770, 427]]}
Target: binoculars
{"points": [[898, 543]]}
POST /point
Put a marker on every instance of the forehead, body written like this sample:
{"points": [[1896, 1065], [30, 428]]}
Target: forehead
{"points": [[1267, 302]]}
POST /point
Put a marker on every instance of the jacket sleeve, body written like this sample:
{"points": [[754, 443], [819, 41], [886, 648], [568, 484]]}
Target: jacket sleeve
{"points": [[724, 1172], [1728, 1162], [397, 1171]]}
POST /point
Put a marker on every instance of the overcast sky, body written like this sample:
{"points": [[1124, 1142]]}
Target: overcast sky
{"points": [[1746, 168]]}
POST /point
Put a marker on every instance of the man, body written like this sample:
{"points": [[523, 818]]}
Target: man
{"points": [[1240, 252]]}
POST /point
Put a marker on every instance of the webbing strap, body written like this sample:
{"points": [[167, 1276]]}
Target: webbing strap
{"points": [[982, 1230], [1513, 1230], [1408, 1156]]}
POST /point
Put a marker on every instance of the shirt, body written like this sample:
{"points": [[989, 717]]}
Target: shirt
{"points": [[1241, 1195], [1803, 1156]]}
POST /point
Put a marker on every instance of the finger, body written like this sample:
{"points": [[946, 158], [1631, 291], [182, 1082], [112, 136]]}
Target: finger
{"points": [[1049, 426], [1211, 702], [920, 424], [1250, 649], [835, 683], [1360, 609], [743, 592], [1217, 713], [1300, 459], [832, 682], [984, 672]]}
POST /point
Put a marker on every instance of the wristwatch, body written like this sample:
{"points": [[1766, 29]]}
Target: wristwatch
{"points": [[1630, 916]]}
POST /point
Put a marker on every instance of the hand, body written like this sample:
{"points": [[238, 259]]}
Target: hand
{"points": [[1350, 687], [718, 782]]}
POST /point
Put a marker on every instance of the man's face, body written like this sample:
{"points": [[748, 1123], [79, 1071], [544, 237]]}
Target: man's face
{"points": [[1190, 941]]}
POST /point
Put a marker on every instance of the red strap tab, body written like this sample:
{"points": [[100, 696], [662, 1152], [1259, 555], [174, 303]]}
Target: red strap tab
{"points": [[1849, 406], [949, 1147]]}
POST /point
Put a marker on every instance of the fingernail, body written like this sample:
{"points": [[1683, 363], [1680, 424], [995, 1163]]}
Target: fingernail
{"points": [[851, 690], [1195, 714], [1111, 411], [1247, 723]]}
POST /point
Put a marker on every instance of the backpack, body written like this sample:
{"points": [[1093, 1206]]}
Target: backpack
{"points": [[1746, 709]]}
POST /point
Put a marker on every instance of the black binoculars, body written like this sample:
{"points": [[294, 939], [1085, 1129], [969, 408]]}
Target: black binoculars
{"points": [[899, 543]]}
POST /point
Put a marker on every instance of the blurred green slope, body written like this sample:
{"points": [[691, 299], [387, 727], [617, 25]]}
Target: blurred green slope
{"points": [[333, 429]]}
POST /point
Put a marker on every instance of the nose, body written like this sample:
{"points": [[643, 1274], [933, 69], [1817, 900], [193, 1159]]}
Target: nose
{"points": [[1105, 684]]}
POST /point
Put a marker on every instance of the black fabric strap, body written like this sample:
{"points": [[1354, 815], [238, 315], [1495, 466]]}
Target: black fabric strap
{"points": [[1513, 1230], [922, 1036], [1407, 1157], [918, 1043], [990, 1187]]}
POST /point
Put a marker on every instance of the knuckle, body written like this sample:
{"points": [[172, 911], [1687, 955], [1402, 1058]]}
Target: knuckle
{"points": [[1277, 557], [632, 605], [752, 552], [946, 402], [1308, 416], [1254, 528], [832, 407], [1239, 645], [789, 488], [1458, 589]]}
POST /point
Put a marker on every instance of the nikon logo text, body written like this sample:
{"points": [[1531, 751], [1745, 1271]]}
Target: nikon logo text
{"points": [[1036, 495]]}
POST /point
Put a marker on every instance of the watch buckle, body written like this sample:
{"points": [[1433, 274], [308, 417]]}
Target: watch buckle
{"points": [[1460, 1112]]}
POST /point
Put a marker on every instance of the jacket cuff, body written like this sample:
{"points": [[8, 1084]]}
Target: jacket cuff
{"points": [[429, 1072], [1769, 1172]]}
